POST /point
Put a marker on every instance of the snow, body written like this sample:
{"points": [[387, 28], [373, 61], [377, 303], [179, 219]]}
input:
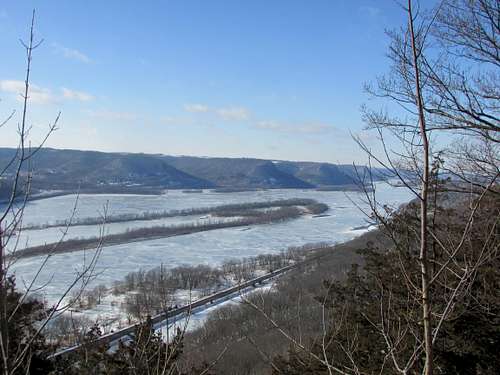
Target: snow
{"points": [[35, 237], [108, 313], [198, 316], [211, 247]]}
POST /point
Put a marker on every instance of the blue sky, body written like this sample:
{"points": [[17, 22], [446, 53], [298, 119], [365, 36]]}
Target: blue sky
{"points": [[277, 79]]}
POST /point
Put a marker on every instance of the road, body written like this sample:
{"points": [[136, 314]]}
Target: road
{"points": [[125, 334]]}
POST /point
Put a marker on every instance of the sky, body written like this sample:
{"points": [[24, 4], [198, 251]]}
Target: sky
{"points": [[280, 79]]}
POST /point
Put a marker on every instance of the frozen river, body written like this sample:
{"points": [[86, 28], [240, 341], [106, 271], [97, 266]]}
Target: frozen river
{"points": [[211, 247]]}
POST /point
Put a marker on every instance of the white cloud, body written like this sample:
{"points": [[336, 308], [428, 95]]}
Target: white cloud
{"points": [[228, 114], [36, 94], [197, 108], [234, 113], [315, 128], [40, 95], [176, 120], [71, 53], [269, 125], [76, 95], [303, 128], [113, 115], [12, 86]]}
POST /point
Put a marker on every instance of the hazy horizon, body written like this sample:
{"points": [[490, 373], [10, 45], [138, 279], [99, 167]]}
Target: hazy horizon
{"points": [[188, 155]]}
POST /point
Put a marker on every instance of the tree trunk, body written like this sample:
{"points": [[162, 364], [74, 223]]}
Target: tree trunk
{"points": [[424, 262], [4, 344]]}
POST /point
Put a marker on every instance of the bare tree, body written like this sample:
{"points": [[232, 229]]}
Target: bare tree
{"points": [[440, 96], [444, 240], [19, 174]]}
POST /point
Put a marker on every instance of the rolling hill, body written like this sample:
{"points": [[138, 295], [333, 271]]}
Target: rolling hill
{"points": [[68, 170]]}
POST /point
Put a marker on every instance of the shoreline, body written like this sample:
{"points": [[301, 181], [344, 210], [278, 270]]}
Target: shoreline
{"points": [[219, 210], [152, 233]]}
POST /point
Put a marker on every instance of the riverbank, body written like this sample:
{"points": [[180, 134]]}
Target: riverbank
{"points": [[244, 215], [240, 209]]}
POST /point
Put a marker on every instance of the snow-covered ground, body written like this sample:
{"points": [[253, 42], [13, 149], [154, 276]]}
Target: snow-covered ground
{"points": [[197, 317], [35, 237], [211, 247]]}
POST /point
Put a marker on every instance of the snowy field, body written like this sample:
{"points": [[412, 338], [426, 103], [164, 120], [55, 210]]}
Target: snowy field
{"points": [[211, 247]]}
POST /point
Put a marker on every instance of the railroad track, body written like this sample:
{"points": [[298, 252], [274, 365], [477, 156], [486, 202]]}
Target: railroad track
{"points": [[125, 334]]}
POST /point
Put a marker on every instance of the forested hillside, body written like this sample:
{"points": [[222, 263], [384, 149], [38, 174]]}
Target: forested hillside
{"points": [[97, 172]]}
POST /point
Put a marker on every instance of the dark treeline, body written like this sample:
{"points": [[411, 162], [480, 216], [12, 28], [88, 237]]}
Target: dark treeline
{"points": [[151, 292], [276, 215], [292, 304], [328, 308], [236, 209], [38, 193]]}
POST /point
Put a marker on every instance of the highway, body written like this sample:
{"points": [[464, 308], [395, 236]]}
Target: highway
{"points": [[125, 334]]}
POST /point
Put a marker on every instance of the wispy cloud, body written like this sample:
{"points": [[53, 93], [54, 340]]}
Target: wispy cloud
{"points": [[301, 128], [112, 115], [196, 108], [242, 114], [270, 125], [3, 14], [41, 95], [76, 95], [227, 113], [36, 94], [71, 53], [233, 113]]}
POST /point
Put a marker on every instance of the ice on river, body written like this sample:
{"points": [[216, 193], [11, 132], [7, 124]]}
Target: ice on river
{"points": [[211, 247]]}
